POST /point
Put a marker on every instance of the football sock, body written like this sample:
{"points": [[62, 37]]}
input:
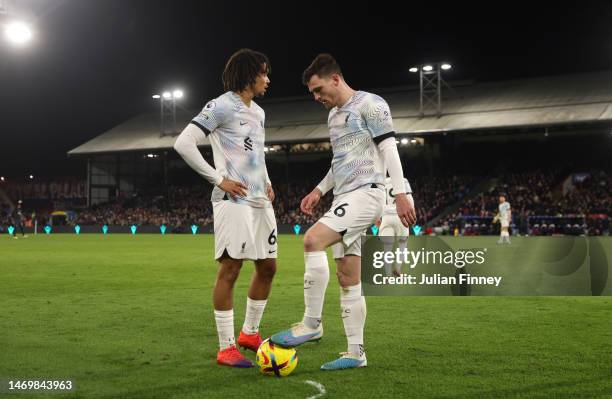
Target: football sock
{"points": [[254, 312], [402, 244], [353, 316], [225, 327], [316, 278], [388, 242], [505, 236]]}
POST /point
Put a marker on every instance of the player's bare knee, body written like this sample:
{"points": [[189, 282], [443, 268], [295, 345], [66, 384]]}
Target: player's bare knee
{"points": [[347, 280], [311, 243], [229, 275], [229, 270], [270, 271], [341, 278], [266, 270]]}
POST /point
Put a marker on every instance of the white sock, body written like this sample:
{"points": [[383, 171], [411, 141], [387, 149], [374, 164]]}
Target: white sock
{"points": [[505, 236], [388, 242], [402, 244], [353, 316], [316, 278], [254, 312], [225, 327]]}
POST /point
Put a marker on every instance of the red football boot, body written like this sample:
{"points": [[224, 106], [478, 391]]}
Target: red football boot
{"points": [[233, 358], [249, 341]]}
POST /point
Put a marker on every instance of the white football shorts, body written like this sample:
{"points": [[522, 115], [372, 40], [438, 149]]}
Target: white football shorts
{"points": [[351, 214], [245, 232]]}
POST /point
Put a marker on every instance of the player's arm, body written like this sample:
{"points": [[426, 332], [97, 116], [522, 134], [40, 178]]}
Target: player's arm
{"points": [[327, 183], [312, 199], [393, 164], [409, 191], [380, 124], [269, 189], [186, 146]]}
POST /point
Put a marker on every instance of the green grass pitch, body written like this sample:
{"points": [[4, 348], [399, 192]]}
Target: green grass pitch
{"points": [[131, 317]]}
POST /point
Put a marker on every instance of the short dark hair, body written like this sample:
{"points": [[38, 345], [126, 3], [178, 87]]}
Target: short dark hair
{"points": [[242, 69], [323, 65]]}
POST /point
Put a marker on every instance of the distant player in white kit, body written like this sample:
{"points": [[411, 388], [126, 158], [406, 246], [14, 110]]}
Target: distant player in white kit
{"points": [[364, 147], [505, 217], [391, 227], [244, 222]]}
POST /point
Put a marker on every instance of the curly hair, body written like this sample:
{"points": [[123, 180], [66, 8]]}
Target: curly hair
{"points": [[242, 69]]}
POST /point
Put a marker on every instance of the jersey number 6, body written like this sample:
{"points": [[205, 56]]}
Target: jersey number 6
{"points": [[272, 238]]}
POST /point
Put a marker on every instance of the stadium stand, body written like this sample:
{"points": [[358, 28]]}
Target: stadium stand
{"points": [[530, 138]]}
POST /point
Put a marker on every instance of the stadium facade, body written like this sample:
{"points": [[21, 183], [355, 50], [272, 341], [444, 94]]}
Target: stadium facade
{"points": [[134, 153]]}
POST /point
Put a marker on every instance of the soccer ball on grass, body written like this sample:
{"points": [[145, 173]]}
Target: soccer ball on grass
{"points": [[276, 360]]}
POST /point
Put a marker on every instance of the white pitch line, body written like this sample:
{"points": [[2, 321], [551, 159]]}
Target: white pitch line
{"points": [[317, 385]]}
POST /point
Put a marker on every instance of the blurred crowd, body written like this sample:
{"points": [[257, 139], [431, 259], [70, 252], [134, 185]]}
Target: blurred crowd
{"points": [[543, 203]]}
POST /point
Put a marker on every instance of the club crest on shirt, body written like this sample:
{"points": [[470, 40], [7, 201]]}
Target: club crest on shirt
{"points": [[210, 105]]}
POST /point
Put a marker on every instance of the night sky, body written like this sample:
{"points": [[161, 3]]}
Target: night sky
{"points": [[95, 63]]}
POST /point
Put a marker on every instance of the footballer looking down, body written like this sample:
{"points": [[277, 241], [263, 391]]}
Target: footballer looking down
{"points": [[364, 149]]}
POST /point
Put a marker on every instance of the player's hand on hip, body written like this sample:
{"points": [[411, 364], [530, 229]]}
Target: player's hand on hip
{"points": [[233, 188], [405, 209], [310, 202], [270, 192]]}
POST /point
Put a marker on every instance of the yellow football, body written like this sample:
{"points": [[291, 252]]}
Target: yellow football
{"points": [[276, 360]]}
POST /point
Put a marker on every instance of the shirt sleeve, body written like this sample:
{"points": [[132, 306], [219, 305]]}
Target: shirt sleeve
{"points": [[187, 146], [377, 116], [408, 187], [213, 115], [327, 183], [393, 164]]}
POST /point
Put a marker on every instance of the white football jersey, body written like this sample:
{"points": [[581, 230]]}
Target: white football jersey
{"points": [[236, 133], [354, 130], [504, 210], [390, 208]]}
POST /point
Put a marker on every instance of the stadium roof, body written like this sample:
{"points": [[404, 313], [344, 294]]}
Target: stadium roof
{"points": [[522, 103]]}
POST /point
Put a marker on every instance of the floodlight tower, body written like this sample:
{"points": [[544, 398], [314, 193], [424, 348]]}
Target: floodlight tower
{"points": [[167, 104], [430, 86]]}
